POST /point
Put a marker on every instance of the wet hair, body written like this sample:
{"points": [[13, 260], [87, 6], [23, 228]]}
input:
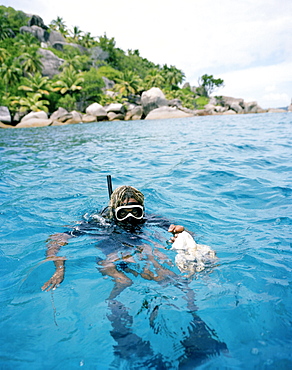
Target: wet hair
{"points": [[121, 194]]}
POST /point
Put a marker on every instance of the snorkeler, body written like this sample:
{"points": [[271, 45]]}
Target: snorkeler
{"points": [[125, 211], [129, 252]]}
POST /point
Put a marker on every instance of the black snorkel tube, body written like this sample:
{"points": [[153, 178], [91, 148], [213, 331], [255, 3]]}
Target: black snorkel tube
{"points": [[109, 185]]}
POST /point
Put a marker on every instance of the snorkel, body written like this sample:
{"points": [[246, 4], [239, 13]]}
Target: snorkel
{"points": [[109, 186]]}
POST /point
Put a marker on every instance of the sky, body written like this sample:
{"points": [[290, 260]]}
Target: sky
{"points": [[247, 43]]}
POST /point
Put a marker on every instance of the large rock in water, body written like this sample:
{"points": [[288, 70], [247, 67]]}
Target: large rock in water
{"points": [[167, 112], [252, 107], [5, 116], [59, 113], [97, 111], [34, 122], [51, 63], [152, 99], [35, 115], [134, 113]]}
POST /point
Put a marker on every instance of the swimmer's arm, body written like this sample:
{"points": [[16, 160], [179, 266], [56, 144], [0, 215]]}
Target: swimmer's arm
{"points": [[55, 242]]}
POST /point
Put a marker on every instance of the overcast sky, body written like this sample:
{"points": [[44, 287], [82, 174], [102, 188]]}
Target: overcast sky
{"points": [[247, 43]]}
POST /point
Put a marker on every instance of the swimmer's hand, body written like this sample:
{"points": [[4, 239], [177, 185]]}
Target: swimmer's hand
{"points": [[57, 278], [175, 230]]}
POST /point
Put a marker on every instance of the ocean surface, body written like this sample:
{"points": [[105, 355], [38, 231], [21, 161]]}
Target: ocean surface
{"points": [[227, 179]]}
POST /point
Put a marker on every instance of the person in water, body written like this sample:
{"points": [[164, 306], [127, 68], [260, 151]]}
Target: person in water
{"points": [[126, 211], [120, 234]]}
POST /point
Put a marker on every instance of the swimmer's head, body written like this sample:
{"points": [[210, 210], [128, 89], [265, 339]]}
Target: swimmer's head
{"points": [[123, 196]]}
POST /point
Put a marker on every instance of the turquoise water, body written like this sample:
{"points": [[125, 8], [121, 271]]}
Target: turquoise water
{"points": [[227, 179]]}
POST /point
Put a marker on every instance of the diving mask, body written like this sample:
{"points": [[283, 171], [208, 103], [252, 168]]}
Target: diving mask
{"points": [[123, 212]]}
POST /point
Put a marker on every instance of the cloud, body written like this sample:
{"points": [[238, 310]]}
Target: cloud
{"points": [[270, 86], [276, 98]]}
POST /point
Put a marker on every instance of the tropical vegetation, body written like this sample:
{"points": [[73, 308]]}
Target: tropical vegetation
{"points": [[80, 80]]}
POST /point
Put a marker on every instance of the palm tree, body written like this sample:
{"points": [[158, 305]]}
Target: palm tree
{"points": [[172, 76], [33, 103], [129, 83], [154, 78], [60, 26], [10, 72], [69, 81], [26, 40], [31, 61], [76, 34], [3, 55], [74, 61], [36, 84], [87, 40], [5, 31]]}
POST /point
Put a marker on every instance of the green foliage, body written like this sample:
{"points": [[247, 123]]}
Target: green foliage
{"points": [[208, 84], [10, 101], [26, 40], [59, 25], [80, 82], [10, 72], [68, 102], [201, 101], [135, 63], [69, 81], [12, 20], [91, 88], [128, 83], [31, 61], [154, 78], [3, 55], [36, 84], [87, 40], [172, 76], [115, 55], [109, 72], [114, 98], [186, 96], [32, 102]]}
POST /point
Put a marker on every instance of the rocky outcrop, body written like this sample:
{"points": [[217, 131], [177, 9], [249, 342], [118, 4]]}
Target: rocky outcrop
{"points": [[115, 111], [35, 119], [36, 20], [96, 110], [34, 115], [34, 122], [51, 63], [113, 116], [134, 112], [87, 118], [41, 34], [115, 108], [228, 105], [152, 99], [59, 113], [5, 116], [56, 37], [167, 112], [59, 45], [276, 110], [251, 107], [69, 118]]}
